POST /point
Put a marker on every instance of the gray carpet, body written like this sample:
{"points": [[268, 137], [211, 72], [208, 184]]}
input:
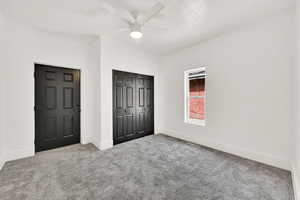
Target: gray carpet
{"points": [[154, 167]]}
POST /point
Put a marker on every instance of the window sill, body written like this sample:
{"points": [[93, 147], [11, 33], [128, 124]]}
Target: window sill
{"points": [[196, 122]]}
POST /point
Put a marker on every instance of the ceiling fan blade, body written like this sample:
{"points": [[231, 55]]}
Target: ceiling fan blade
{"points": [[115, 32], [152, 27], [144, 18], [117, 10]]}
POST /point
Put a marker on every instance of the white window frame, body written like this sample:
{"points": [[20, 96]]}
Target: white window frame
{"points": [[187, 118]]}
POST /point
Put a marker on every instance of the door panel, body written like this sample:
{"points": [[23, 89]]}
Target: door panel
{"points": [[50, 129], [124, 110], [129, 124], [141, 97], [119, 97], [51, 97], [140, 107], [68, 98], [140, 122], [149, 109], [120, 129], [68, 77], [68, 126], [50, 75], [129, 95], [132, 101], [57, 107]]}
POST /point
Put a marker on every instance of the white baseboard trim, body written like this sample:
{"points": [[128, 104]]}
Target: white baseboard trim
{"points": [[19, 153], [106, 144], [96, 144], [86, 141], [256, 156], [296, 183]]}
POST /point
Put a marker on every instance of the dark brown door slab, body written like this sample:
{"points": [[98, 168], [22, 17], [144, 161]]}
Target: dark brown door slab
{"points": [[57, 107]]}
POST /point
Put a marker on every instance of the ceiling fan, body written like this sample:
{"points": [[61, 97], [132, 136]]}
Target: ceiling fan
{"points": [[134, 19]]}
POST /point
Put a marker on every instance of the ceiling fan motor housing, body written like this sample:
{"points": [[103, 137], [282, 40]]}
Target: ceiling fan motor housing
{"points": [[135, 27]]}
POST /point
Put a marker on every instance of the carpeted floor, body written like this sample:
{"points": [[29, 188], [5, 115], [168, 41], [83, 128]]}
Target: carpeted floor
{"points": [[154, 167]]}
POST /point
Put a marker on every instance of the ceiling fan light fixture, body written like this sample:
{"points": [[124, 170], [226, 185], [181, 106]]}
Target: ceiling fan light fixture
{"points": [[136, 34]]}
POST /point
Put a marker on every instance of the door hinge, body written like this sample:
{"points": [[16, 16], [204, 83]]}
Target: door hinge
{"points": [[34, 74]]}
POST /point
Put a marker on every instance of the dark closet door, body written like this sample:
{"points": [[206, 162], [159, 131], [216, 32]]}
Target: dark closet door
{"points": [[57, 107], [124, 106], [144, 105], [149, 105], [132, 106]]}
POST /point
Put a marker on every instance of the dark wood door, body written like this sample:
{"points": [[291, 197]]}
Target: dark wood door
{"points": [[148, 108], [124, 106], [57, 107], [133, 107], [144, 105]]}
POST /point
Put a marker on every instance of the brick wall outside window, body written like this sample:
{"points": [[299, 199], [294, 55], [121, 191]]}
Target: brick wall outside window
{"points": [[197, 99]]}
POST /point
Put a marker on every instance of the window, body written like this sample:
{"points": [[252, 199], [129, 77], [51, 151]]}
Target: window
{"points": [[195, 96]]}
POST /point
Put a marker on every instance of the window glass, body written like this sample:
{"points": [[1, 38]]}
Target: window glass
{"points": [[197, 108], [197, 99], [195, 96], [197, 87]]}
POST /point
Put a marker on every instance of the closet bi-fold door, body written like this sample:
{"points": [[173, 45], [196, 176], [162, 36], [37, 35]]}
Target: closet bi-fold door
{"points": [[124, 107], [144, 105], [132, 106]]}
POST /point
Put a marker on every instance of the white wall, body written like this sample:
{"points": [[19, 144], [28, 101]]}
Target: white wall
{"points": [[96, 57], [296, 111], [28, 46], [92, 94], [2, 90], [120, 56], [248, 91]]}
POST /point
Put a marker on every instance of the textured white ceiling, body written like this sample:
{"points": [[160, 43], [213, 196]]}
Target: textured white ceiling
{"points": [[181, 23]]}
